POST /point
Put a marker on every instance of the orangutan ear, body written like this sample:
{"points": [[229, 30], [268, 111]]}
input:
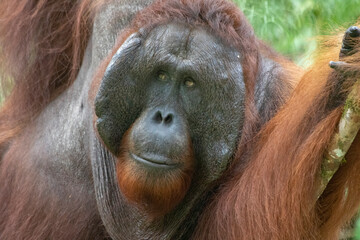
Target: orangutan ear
{"points": [[272, 89]]}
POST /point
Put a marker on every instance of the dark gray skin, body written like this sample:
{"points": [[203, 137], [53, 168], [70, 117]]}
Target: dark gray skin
{"points": [[349, 42]]}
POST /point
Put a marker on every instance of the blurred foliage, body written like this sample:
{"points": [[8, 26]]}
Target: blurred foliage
{"points": [[357, 230], [290, 25]]}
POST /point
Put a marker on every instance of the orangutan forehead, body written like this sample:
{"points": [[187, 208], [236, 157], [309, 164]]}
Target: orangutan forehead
{"points": [[184, 39]]}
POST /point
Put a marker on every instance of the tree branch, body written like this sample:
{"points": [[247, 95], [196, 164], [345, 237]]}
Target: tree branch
{"points": [[349, 126]]}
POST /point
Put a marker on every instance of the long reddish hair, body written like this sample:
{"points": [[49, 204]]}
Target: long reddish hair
{"points": [[42, 46]]}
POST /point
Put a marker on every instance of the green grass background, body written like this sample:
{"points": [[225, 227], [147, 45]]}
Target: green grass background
{"points": [[357, 230], [290, 25]]}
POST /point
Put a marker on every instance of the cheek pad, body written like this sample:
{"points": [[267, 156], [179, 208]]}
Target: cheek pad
{"points": [[117, 100]]}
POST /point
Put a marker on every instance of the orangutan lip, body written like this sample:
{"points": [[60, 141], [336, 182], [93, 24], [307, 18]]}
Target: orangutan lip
{"points": [[152, 162]]}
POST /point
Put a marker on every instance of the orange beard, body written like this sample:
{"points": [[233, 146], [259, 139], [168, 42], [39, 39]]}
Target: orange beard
{"points": [[155, 191]]}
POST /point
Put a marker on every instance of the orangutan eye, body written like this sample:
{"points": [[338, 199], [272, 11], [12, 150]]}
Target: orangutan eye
{"points": [[162, 76], [189, 82]]}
